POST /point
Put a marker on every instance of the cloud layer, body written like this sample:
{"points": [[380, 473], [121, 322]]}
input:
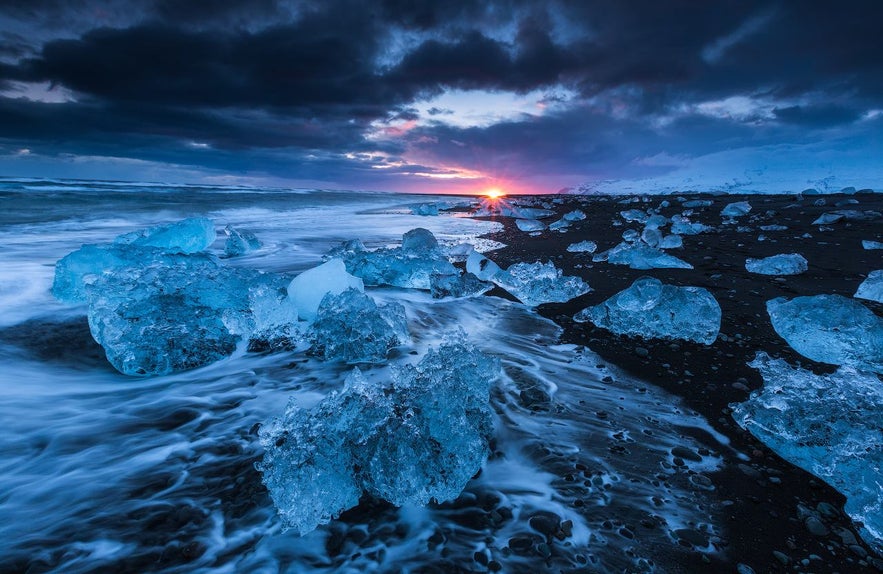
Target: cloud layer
{"points": [[442, 96]]}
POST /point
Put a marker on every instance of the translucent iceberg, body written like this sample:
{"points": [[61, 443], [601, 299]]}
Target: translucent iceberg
{"points": [[736, 209], [872, 287], [186, 236], [417, 438], [583, 247], [537, 283], [828, 425], [640, 256], [409, 266], [307, 289], [457, 285], [351, 327], [650, 308], [528, 225], [830, 329], [240, 242], [782, 264]]}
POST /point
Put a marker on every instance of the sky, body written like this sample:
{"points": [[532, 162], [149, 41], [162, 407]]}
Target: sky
{"points": [[449, 96]]}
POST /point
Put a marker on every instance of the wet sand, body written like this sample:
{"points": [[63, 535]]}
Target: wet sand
{"points": [[773, 508]]}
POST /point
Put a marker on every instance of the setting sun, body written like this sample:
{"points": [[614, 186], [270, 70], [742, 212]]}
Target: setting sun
{"points": [[494, 193]]}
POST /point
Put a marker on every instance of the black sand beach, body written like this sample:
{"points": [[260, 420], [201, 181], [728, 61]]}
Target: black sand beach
{"points": [[779, 518]]}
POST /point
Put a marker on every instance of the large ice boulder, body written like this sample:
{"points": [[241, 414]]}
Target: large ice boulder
{"points": [[537, 283], [307, 289], [184, 311], [351, 327], [186, 236], [830, 329], [415, 439], [872, 287], [652, 309], [828, 425], [457, 285], [409, 266], [639, 255], [139, 248], [782, 264]]}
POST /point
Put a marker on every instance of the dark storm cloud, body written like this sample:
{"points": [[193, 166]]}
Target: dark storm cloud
{"points": [[149, 76]]}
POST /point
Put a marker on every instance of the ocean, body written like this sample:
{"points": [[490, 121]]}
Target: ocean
{"points": [[104, 472]]}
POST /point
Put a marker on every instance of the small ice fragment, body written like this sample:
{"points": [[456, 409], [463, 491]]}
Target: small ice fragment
{"points": [[417, 438], [872, 287], [681, 225], [575, 215], [482, 267], [561, 225], [528, 225], [240, 242], [307, 289], [583, 247], [652, 309], [186, 236], [830, 329], [828, 425], [867, 244], [671, 242], [425, 209], [651, 236], [640, 256], [773, 227], [351, 327], [457, 285], [537, 283], [656, 221], [736, 209], [638, 215], [782, 264], [631, 235]]}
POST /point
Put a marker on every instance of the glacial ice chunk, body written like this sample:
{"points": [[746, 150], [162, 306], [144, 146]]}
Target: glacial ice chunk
{"points": [[693, 203], [528, 225], [482, 267], [652, 309], [537, 283], [144, 247], [846, 215], [867, 244], [457, 285], [638, 215], [415, 439], [830, 329], [782, 264], [872, 287], [681, 225], [583, 247], [351, 327], [673, 241], [307, 289], [559, 225], [575, 215], [184, 311], [828, 425], [409, 266], [186, 236], [640, 256], [651, 236], [239, 242], [736, 209], [425, 209]]}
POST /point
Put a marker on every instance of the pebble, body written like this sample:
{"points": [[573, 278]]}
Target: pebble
{"points": [[815, 526]]}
